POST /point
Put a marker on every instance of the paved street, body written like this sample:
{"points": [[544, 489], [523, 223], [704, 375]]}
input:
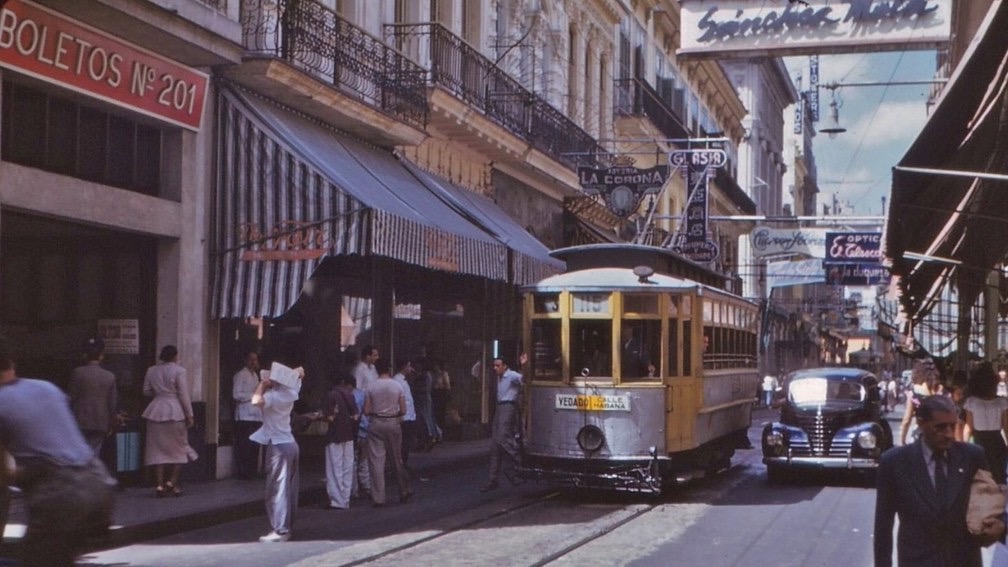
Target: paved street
{"points": [[735, 518]]}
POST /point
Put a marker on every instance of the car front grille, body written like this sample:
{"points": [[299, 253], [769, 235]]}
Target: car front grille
{"points": [[820, 430]]}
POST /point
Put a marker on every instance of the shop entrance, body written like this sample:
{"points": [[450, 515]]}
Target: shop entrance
{"points": [[63, 282]]}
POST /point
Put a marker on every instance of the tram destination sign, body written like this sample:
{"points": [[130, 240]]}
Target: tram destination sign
{"points": [[592, 402]]}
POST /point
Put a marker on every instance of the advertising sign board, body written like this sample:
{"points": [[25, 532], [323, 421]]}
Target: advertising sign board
{"points": [[744, 28]]}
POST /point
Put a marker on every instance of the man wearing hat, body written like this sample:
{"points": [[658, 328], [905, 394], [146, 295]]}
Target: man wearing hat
{"points": [[93, 396]]}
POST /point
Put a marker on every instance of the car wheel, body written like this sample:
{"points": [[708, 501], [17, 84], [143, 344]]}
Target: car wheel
{"points": [[776, 474]]}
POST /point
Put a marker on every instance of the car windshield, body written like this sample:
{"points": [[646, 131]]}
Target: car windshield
{"points": [[818, 390]]}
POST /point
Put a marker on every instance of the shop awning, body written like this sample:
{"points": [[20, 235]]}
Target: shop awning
{"points": [[530, 260], [292, 191], [941, 208]]}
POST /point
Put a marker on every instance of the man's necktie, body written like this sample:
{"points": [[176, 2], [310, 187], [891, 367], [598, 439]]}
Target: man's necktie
{"points": [[940, 476]]}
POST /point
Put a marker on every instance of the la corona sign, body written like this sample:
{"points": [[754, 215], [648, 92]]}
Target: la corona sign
{"points": [[746, 28], [47, 45]]}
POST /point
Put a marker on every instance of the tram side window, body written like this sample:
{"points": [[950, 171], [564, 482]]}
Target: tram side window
{"points": [[546, 362], [673, 349], [640, 349], [591, 347]]}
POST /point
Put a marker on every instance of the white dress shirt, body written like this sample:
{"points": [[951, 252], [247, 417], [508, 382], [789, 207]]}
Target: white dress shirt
{"points": [[278, 403], [245, 383]]}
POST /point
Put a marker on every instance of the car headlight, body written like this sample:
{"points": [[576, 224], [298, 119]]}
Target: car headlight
{"points": [[867, 440], [774, 439]]}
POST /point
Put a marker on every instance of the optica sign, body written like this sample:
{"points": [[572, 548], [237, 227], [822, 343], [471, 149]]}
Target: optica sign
{"points": [[47, 45]]}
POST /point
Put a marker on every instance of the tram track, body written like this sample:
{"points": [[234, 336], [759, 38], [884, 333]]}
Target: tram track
{"points": [[591, 538], [549, 516], [442, 534]]}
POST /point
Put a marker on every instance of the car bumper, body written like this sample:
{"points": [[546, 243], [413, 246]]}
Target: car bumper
{"points": [[849, 462]]}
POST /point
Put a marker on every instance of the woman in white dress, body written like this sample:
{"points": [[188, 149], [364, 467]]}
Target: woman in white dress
{"points": [[987, 419], [169, 415]]}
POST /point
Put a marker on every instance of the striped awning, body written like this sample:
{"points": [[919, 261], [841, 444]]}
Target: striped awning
{"points": [[291, 191]]}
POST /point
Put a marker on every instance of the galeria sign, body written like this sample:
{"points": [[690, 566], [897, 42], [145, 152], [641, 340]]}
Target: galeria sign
{"points": [[47, 45]]}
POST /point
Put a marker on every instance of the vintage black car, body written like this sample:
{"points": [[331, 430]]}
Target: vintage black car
{"points": [[830, 418]]}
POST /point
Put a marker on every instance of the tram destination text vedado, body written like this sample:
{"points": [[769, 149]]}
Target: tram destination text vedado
{"points": [[592, 403]]}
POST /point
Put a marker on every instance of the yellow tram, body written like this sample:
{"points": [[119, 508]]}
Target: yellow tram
{"points": [[642, 370]]}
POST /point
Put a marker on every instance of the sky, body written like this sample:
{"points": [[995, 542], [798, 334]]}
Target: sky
{"points": [[881, 122]]}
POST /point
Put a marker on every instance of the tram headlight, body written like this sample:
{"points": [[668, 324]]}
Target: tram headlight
{"points": [[590, 438], [867, 440]]}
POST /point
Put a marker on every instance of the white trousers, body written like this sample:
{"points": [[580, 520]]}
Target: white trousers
{"points": [[282, 485], [339, 472]]}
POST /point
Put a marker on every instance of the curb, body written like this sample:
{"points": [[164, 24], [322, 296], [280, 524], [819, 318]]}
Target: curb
{"points": [[127, 535]]}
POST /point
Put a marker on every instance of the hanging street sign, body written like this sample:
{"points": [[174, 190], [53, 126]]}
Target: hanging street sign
{"points": [[697, 167], [744, 28], [622, 187]]}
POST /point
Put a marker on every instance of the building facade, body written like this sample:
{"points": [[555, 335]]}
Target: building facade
{"points": [[304, 178]]}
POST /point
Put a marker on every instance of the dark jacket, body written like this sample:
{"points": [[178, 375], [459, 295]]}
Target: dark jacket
{"points": [[931, 533], [340, 408]]}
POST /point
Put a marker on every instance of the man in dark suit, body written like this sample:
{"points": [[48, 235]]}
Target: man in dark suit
{"points": [[93, 396], [927, 484]]}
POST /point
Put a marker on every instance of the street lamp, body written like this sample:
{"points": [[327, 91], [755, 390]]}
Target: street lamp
{"points": [[834, 126]]}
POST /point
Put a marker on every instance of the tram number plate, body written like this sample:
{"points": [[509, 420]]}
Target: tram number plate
{"points": [[592, 403]]}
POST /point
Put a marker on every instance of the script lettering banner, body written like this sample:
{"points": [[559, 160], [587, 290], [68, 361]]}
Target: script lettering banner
{"points": [[783, 274], [49, 46], [745, 28], [768, 241]]}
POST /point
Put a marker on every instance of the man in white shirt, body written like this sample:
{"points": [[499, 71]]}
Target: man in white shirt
{"points": [[408, 425], [769, 387], [365, 373], [248, 418]]}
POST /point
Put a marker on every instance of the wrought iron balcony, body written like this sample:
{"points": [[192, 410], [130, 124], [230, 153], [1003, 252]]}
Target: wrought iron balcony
{"points": [[316, 40], [462, 70], [635, 97]]}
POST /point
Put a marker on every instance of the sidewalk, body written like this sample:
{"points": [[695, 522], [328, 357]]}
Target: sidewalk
{"points": [[139, 516]]}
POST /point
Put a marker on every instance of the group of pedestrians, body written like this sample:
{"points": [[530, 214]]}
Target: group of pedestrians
{"points": [[961, 428]]}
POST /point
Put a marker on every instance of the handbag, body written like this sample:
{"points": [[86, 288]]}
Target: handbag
{"points": [[986, 501]]}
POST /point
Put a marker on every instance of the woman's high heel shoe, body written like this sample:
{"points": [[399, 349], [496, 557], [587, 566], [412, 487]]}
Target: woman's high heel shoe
{"points": [[170, 488], [159, 491]]}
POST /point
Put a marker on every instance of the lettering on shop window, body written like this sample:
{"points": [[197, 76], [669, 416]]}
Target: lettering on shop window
{"points": [[288, 240], [51, 47]]}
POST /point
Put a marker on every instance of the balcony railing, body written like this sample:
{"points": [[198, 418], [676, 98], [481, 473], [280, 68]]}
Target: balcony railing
{"points": [[462, 70], [319, 42], [634, 97]]}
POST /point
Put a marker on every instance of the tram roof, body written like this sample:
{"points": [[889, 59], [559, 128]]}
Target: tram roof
{"points": [[613, 279], [626, 255]]}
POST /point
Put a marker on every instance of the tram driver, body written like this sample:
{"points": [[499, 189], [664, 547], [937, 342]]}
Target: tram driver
{"points": [[635, 360]]}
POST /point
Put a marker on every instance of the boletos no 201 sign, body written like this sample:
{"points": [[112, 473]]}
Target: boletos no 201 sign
{"points": [[47, 45]]}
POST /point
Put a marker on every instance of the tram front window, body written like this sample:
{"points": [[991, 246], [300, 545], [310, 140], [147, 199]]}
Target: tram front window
{"points": [[546, 363], [591, 347], [640, 350]]}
